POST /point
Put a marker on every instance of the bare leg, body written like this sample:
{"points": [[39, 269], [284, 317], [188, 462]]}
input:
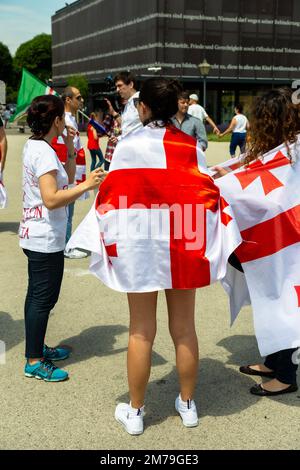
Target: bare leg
{"points": [[181, 309], [142, 332]]}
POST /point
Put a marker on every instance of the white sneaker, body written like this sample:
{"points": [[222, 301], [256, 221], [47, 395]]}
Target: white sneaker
{"points": [[131, 418], [187, 411], [75, 254]]}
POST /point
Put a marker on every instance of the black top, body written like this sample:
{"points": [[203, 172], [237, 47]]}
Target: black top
{"points": [[1, 122]]}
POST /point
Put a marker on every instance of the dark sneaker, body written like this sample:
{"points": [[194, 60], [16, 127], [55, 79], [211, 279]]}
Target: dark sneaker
{"points": [[55, 354], [45, 370]]}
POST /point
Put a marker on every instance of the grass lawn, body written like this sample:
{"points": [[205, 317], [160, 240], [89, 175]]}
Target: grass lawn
{"points": [[214, 138]]}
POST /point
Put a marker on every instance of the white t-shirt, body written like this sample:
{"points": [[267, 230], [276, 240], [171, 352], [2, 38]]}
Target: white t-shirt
{"points": [[41, 229], [241, 123], [130, 117], [197, 111], [80, 173], [71, 121]]}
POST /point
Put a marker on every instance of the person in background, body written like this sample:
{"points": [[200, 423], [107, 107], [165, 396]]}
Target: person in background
{"points": [[93, 143], [274, 120], [73, 102], [187, 123], [6, 116], [42, 230], [113, 124], [238, 126], [3, 148], [126, 85], [199, 112]]}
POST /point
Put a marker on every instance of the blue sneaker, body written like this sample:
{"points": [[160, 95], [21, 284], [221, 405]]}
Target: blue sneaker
{"points": [[55, 354], [45, 370]]}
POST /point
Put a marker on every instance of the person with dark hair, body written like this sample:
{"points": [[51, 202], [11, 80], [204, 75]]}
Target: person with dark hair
{"points": [[238, 127], [3, 153], [93, 143], [162, 173], [199, 112], [188, 123], [125, 83], [73, 102], [42, 230], [275, 128]]}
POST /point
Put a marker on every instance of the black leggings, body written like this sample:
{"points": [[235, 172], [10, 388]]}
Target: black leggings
{"points": [[282, 364], [45, 272]]}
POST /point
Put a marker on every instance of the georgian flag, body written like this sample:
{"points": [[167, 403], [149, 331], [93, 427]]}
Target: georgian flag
{"points": [[265, 200], [158, 221], [3, 194]]}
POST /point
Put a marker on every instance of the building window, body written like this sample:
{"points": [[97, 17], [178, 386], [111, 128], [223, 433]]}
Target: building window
{"points": [[231, 6], [285, 8]]}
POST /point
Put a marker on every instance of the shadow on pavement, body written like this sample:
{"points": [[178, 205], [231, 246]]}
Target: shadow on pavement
{"points": [[98, 341], [221, 391], [243, 350], [9, 227]]}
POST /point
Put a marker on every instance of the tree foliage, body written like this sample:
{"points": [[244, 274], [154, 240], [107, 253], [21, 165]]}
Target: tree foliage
{"points": [[36, 56], [6, 64], [80, 82]]}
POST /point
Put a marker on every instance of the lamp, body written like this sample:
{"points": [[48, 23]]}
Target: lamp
{"points": [[204, 69], [154, 69]]}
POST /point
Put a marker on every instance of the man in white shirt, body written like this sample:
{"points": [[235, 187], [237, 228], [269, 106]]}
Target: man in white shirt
{"points": [[126, 87], [197, 111], [73, 102]]}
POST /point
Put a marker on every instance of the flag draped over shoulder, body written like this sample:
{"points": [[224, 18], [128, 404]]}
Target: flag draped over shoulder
{"points": [[30, 88], [265, 200], [158, 221]]}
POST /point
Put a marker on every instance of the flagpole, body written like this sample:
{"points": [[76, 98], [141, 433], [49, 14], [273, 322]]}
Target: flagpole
{"points": [[96, 125]]}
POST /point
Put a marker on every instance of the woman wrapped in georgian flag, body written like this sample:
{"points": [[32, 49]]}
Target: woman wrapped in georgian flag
{"points": [[158, 223]]}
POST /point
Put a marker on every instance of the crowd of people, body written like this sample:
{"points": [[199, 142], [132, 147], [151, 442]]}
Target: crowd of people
{"points": [[160, 127]]}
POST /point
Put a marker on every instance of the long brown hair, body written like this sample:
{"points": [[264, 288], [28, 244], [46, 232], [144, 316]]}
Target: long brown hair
{"points": [[275, 119]]}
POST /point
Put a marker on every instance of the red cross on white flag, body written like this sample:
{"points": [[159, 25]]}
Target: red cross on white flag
{"points": [[269, 222], [162, 220]]}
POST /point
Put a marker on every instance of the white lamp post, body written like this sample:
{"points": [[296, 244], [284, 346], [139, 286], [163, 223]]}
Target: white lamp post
{"points": [[204, 69]]}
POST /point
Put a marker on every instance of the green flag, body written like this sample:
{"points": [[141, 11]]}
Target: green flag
{"points": [[30, 87]]}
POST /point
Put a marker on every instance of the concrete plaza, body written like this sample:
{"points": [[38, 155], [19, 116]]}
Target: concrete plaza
{"points": [[93, 321]]}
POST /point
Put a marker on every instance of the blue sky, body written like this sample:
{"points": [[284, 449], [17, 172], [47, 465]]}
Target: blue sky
{"points": [[21, 20]]}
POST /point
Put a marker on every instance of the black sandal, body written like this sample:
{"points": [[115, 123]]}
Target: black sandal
{"points": [[247, 370]]}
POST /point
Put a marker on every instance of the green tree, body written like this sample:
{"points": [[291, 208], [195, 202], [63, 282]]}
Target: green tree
{"points": [[80, 82], [6, 64], [11, 95], [36, 56]]}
